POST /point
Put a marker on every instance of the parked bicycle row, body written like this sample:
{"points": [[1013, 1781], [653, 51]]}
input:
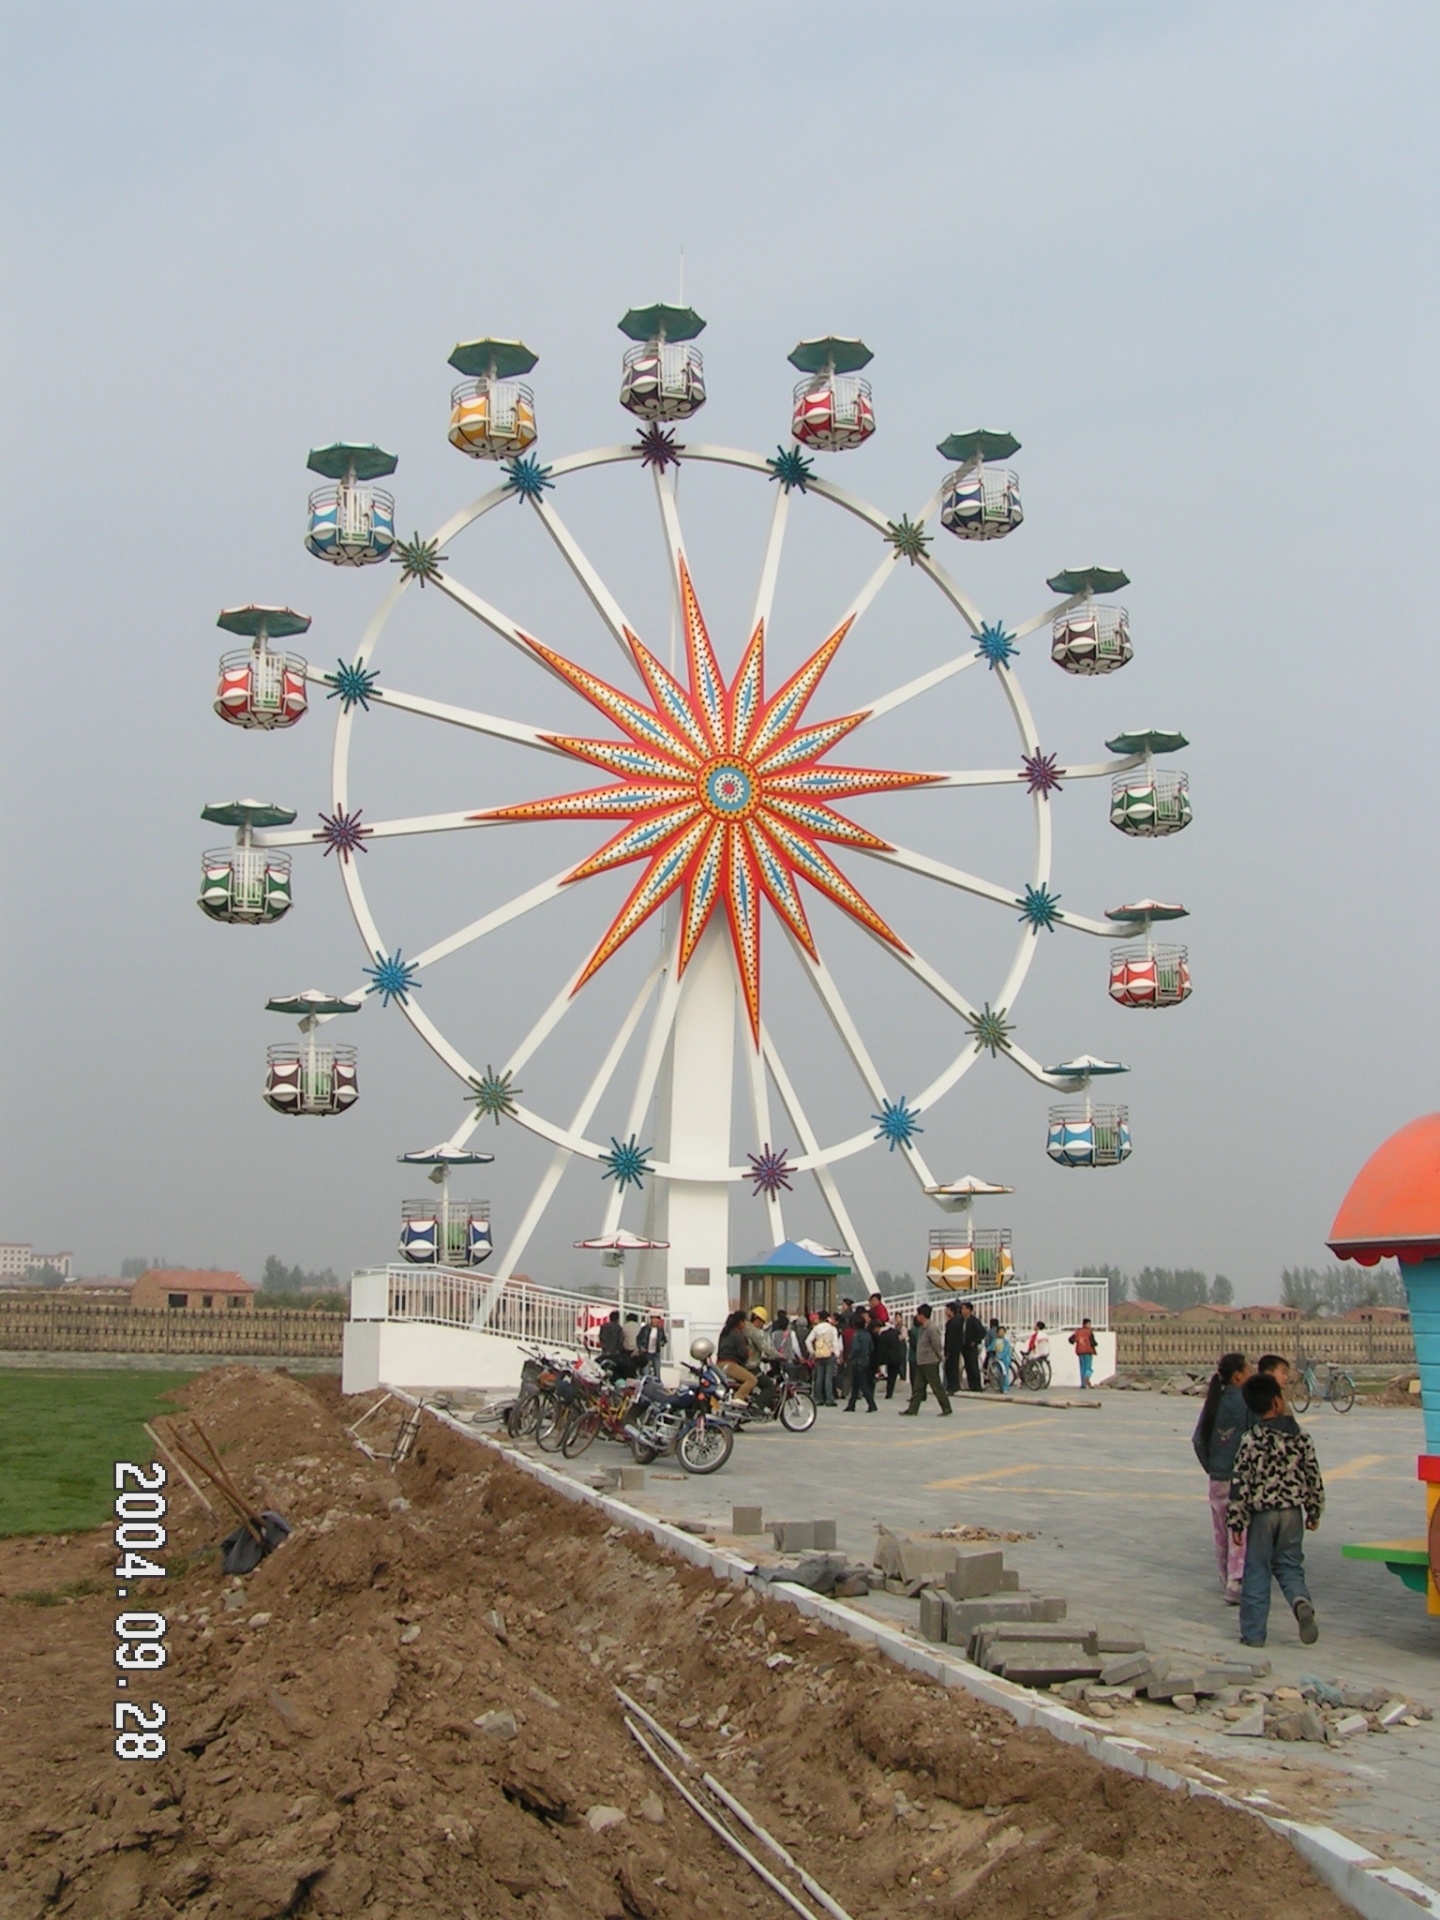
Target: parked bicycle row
{"points": [[565, 1405]]}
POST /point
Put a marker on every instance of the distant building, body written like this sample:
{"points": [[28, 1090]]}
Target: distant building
{"points": [[1380, 1316], [1139, 1310], [1207, 1311], [98, 1283], [183, 1288], [1267, 1313], [18, 1256]]}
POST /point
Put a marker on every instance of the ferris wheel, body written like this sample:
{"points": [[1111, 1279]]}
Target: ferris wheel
{"points": [[726, 795]]}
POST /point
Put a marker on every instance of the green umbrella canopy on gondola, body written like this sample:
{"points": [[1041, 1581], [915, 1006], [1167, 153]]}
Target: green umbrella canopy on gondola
{"points": [[505, 359], [966, 1187], [311, 1004], [835, 352], [1085, 1066], [347, 459], [662, 321], [1089, 580], [247, 813], [982, 442], [1143, 911], [1148, 740], [445, 1156], [277, 623], [622, 1241]]}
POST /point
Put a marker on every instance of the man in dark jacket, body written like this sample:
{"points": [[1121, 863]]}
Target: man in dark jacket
{"points": [[862, 1362], [929, 1360], [890, 1354], [972, 1338], [953, 1325], [612, 1342]]}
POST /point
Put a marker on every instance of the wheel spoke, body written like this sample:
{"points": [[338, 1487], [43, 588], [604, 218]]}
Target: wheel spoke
{"points": [[929, 869], [770, 565], [382, 829], [760, 1114], [823, 982], [563, 1154], [824, 1178], [887, 702], [467, 717], [655, 1045], [1008, 776], [599, 595]]}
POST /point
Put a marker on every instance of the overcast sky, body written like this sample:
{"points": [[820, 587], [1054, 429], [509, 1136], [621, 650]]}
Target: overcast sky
{"points": [[1184, 252]]}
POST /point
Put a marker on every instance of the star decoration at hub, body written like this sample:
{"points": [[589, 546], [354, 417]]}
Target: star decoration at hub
{"points": [[725, 793]]}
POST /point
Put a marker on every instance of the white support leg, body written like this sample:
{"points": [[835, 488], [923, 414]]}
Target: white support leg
{"points": [[693, 1129]]}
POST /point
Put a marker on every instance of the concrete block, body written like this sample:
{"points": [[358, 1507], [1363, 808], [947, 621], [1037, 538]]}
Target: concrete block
{"points": [[824, 1535], [1058, 1631], [1393, 1712], [1165, 1687], [1009, 1580], [1051, 1606], [1044, 1663], [929, 1562], [1121, 1640], [974, 1572], [632, 1479], [793, 1536], [932, 1615], [962, 1617], [1251, 1727], [747, 1519], [1120, 1672], [1352, 1723]]}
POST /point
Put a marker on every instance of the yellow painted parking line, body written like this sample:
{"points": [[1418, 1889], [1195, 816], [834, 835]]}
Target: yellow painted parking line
{"points": [[1353, 1468], [996, 1473], [981, 1484]]}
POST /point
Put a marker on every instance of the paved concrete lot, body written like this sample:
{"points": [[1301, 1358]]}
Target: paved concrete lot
{"points": [[1118, 1508]]}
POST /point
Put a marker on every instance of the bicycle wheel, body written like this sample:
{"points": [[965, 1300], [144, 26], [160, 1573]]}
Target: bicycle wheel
{"points": [[990, 1376], [1032, 1376], [1300, 1392], [522, 1417], [1342, 1392], [580, 1432], [704, 1448], [551, 1423], [798, 1413]]}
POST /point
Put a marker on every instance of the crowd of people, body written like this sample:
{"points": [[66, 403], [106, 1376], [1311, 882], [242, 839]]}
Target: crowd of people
{"points": [[844, 1356], [1266, 1492]]}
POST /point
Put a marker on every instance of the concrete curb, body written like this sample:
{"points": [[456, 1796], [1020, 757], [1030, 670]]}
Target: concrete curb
{"points": [[1358, 1876]]}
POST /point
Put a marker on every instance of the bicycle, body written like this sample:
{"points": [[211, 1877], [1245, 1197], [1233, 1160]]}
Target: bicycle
{"points": [[1031, 1371], [1339, 1388]]}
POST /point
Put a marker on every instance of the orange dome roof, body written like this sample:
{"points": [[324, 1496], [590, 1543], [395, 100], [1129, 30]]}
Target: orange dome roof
{"points": [[1393, 1207]]}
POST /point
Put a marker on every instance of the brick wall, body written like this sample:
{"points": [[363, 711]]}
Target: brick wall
{"points": [[1173, 1343], [48, 1325]]}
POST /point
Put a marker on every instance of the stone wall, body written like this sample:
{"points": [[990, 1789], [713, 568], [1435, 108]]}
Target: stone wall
{"points": [[1348, 1343], [51, 1325]]}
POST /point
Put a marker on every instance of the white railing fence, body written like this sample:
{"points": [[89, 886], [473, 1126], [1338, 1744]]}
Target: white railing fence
{"points": [[1061, 1304], [451, 1297]]}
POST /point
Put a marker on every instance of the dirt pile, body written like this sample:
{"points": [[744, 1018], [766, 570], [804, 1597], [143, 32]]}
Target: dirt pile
{"points": [[407, 1711]]}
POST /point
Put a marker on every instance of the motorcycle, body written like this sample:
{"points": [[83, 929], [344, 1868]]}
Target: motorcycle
{"points": [[775, 1398], [684, 1422]]}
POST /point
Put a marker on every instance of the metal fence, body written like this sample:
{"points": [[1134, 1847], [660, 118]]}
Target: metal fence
{"points": [[67, 1326], [1193, 1345], [1059, 1303], [448, 1297]]}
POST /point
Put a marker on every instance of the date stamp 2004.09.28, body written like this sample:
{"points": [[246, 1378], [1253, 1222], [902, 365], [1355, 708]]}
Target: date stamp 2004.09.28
{"points": [[139, 1636]]}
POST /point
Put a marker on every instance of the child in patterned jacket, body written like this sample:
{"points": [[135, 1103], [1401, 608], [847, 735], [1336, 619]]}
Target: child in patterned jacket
{"points": [[1276, 1496]]}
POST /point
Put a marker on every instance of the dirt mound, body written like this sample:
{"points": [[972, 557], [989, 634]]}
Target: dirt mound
{"points": [[1398, 1392], [409, 1713]]}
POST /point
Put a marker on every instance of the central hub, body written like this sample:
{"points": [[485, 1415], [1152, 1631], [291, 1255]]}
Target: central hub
{"points": [[727, 789]]}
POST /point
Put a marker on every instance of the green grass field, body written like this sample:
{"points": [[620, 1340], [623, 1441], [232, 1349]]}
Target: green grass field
{"points": [[60, 1436]]}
